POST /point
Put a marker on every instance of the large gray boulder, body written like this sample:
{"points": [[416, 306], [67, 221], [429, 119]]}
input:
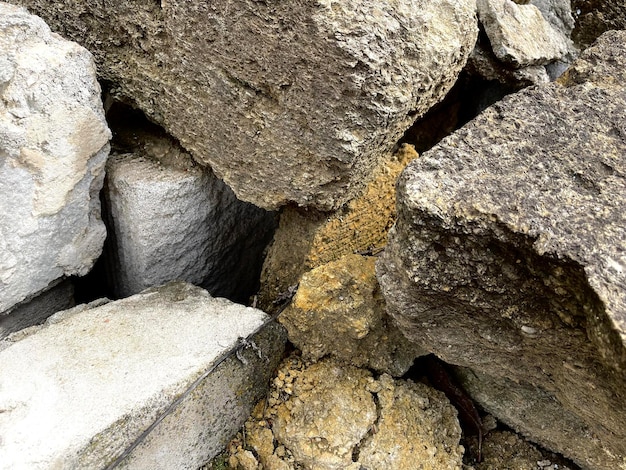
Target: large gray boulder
{"points": [[286, 101], [509, 256], [152, 381], [53, 147]]}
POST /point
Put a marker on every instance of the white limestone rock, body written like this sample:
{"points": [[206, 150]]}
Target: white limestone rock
{"points": [[79, 391], [53, 147], [520, 35]]}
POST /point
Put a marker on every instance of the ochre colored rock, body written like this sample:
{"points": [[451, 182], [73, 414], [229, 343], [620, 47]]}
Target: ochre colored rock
{"points": [[339, 311], [306, 239]]}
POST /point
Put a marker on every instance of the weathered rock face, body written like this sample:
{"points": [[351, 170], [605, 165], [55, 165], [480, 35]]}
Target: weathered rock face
{"points": [[519, 34], [524, 43], [508, 253], [53, 146], [306, 239], [330, 416], [58, 297], [596, 17], [339, 311], [287, 101], [81, 390], [172, 220]]}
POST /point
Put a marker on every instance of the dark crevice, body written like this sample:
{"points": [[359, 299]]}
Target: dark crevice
{"points": [[469, 96]]}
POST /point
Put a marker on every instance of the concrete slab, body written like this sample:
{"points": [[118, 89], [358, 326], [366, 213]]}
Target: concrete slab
{"points": [[150, 381]]}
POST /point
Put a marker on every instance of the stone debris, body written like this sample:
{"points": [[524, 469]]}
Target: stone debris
{"points": [[79, 391], [339, 311], [286, 101], [519, 34], [54, 142], [331, 416], [508, 252]]}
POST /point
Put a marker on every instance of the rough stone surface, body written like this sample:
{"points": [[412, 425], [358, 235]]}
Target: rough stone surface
{"points": [[172, 220], [332, 416], [339, 311], [508, 255], [595, 17], [519, 34], [53, 146], [419, 421], [80, 390], [483, 61], [287, 101], [535, 412], [306, 239], [37, 310]]}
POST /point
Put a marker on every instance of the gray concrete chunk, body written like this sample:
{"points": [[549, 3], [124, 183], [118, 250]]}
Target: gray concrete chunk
{"points": [[80, 390]]}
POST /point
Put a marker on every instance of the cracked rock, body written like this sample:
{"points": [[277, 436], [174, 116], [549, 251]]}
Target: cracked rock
{"points": [[339, 311], [329, 416]]}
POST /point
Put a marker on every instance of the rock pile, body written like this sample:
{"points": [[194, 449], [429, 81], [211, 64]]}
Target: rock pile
{"points": [[236, 122]]}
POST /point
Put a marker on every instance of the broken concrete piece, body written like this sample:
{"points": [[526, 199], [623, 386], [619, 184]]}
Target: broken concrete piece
{"points": [[176, 221], [338, 311], [286, 101], [79, 391], [508, 255], [519, 34], [53, 146]]}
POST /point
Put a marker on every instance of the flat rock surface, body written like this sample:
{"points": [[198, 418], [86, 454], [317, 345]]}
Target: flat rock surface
{"points": [[78, 391], [286, 101], [509, 253]]}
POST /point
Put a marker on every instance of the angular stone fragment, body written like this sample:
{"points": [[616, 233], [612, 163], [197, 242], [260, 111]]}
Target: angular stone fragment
{"points": [[144, 382], [176, 221], [508, 255], [53, 146], [519, 34], [287, 101], [416, 424], [306, 239], [339, 311]]}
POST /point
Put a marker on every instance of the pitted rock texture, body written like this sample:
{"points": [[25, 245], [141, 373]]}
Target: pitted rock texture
{"points": [[306, 239], [329, 416], [54, 142], [286, 101], [339, 311], [508, 255]]}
